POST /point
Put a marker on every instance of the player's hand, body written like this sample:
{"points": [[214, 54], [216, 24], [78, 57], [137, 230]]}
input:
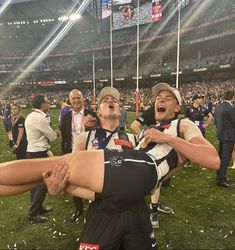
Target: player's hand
{"points": [[181, 160], [14, 148], [205, 125], [90, 121], [154, 135], [57, 178], [58, 133]]}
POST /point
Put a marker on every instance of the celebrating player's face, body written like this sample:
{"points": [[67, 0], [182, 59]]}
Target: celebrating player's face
{"points": [[109, 108], [166, 106]]}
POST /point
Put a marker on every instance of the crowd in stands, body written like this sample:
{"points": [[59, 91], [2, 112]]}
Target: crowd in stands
{"points": [[211, 90]]}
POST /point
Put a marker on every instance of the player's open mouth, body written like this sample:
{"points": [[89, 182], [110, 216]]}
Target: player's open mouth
{"points": [[111, 106], [161, 109]]}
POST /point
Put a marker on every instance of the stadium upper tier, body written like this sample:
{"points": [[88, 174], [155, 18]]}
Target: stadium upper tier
{"points": [[20, 39]]}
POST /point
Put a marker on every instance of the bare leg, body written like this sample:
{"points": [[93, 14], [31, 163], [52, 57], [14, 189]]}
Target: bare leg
{"points": [[80, 192], [155, 195], [9, 135], [233, 157], [13, 190], [86, 170]]}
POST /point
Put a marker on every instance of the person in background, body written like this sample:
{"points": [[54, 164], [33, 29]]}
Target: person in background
{"points": [[197, 113], [225, 125], [65, 108], [5, 114], [39, 135], [77, 120], [18, 132]]}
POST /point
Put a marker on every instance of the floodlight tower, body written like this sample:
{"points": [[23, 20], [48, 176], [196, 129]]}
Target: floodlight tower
{"points": [[178, 47], [111, 47], [93, 77], [137, 60]]}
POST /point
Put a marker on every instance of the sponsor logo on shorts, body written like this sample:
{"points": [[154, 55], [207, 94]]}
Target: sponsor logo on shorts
{"points": [[85, 246], [116, 161]]}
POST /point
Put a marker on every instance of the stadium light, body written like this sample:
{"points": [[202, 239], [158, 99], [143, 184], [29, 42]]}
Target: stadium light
{"points": [[177, 72], [157, 75], [225, 66], [74, 17], [200, 70], [63, 18], [135, 77], [120, 79]]}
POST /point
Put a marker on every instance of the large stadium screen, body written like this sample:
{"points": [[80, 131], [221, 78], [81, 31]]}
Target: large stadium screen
{"points": [[124, 12]]}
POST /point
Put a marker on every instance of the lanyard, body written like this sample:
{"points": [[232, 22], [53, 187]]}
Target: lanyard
{"points": [[103, 144]]}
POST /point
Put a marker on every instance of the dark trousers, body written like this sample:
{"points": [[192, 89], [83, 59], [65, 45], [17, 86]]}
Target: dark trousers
{"points": [[225, 154], [21, 152], [37, 194], [78, 204]]}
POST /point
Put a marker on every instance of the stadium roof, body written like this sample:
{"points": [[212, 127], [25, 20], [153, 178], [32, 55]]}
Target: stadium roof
{"points": [[26, 9]]}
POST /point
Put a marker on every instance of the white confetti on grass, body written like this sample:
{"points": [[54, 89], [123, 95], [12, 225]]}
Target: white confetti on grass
{"points": [[24, 242]]}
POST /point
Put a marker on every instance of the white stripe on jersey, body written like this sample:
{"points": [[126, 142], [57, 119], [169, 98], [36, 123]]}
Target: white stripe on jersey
{"points": [[136, 161]]}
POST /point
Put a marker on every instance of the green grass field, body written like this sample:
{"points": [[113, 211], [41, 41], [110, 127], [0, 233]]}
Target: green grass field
{"points": [[203, 213]]}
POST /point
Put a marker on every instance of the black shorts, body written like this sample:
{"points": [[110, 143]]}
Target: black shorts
{"points": [[7, 127], [129, 176], [130, 229]]}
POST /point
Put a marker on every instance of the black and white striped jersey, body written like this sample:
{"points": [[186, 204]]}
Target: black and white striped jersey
{"points": [[164, 156]]}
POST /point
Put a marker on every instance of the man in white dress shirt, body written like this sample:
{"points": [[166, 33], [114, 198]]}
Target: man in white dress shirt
{"points": [[39, 135]]}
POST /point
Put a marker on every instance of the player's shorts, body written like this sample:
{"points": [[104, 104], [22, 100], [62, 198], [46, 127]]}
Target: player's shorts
{"points": [[130, 175], [130, 229], [7, 127]]}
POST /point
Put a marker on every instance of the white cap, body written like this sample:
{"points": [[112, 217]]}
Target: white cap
{"points": [[164, 86], [109, 91]]}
